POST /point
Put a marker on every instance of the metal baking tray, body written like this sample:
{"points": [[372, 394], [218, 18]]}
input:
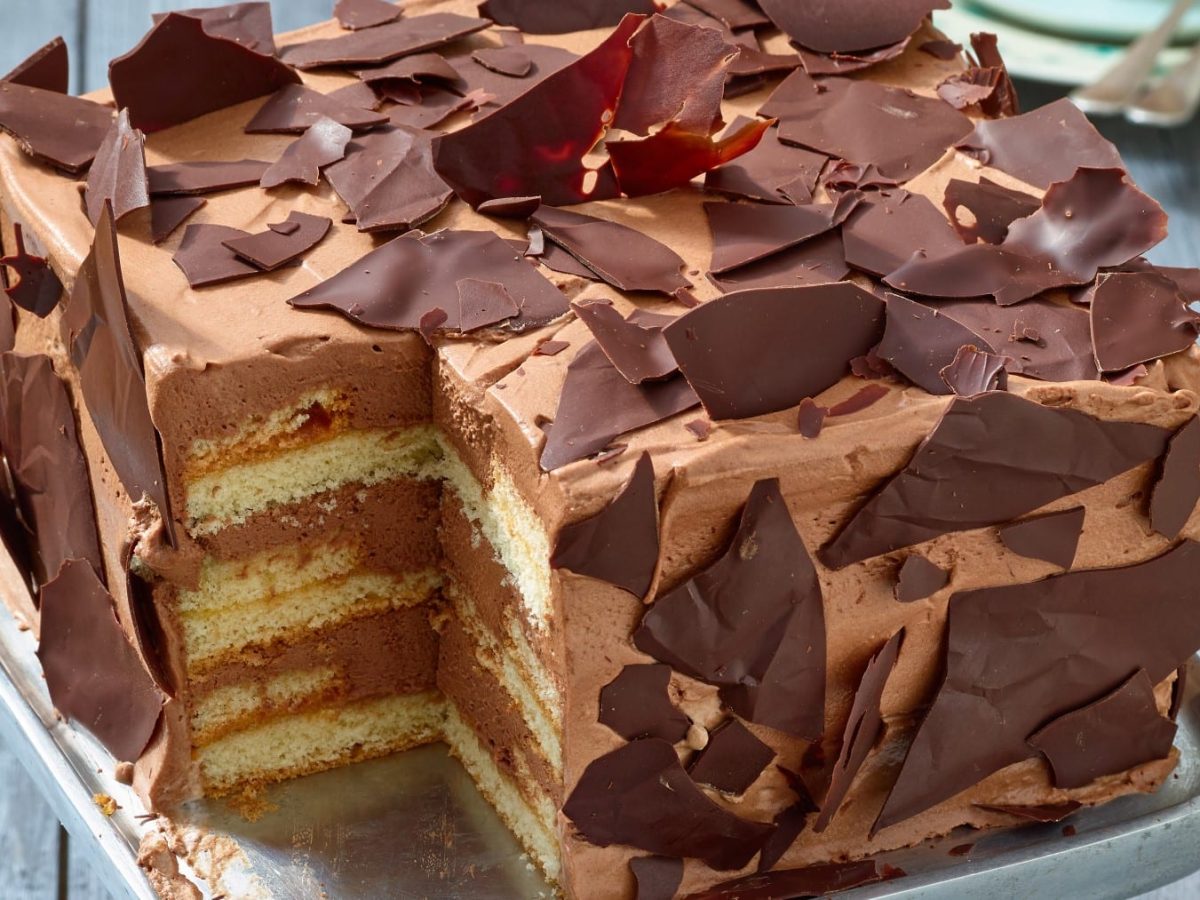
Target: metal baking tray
{"points": [[413, 826]]}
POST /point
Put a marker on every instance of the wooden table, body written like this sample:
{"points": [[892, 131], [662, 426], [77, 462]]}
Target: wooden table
{"points": [[37, 861]]}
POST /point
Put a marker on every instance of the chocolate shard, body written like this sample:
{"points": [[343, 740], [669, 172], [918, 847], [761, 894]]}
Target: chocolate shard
{"points": [[844, 63], [395, 284], [789, 823], [294, 108], [1119, 731], [1050, 812], [118, 174], [811, 881], [863, 727], [204, 177], [1003, 100], [511, 61], [1053, 537], [623, 256], [884, 230], [482, 303], [974, 87], [756, 352], [168, 213], [637, 704], [639, 352], [863, 26], [944, 50], [270, 249], [1020, 655], [248, 24], [765, 171], [920, 342], [656, 877], [751, 623], [1177, 488], [323, 144], [732, 760], [1042, 146], [205, 260], [973, 371], [358, 14], [37, 289], [47, 465], [537, 17], [511, 207], [919, 578], [819, 261], [48, 68], [619, 544], [640, 796], [745, 233], [180, 71], [733, 14], [383, 43], [993, 209], [94, 675], [1137, 317], [991, 459], [810, 418], [494, 88], [57, 129]]}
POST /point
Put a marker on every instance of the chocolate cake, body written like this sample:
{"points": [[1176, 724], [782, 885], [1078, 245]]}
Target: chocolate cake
{"points": [[741, 434]]}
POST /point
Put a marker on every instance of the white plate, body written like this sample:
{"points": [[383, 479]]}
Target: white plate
{"points": [[1114, 21]]}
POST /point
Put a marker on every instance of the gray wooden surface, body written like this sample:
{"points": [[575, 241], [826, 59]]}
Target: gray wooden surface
{"points": [[37, 861]]}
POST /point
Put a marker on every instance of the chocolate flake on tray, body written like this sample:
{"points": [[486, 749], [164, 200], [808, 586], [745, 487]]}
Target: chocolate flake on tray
{"points": [[57, 129], [1177, 488], [204, 177], [918, 578], [885, 229], [1052, 537], [656, 877], [358, 14], [294, 108], [383, 43], [540, 17], [118, 174], [1020, 655], [275, 247], [732, 759], [47, 68], [639, 352], [168, 213], [248, 24], [991, 459], [323, 144], [1138, 317], [795, 884], [993, 207], [864, 25], [751, 623], [37, 289], [973, 371], [764, 172], [205, 260], [920, 342], [745, 233], [637, 704]]}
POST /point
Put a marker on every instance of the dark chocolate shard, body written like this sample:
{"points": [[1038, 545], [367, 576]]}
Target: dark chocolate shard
{"points": [[993, 208], [205, 260], [862, 26], [57, 129], [991, 459], [887, 228], [383, 43], [1177, 488], [821, 260], [357, 94], [358, 14], [1003, 100], [919, 578], [179, 71], [656, 877], [495, 88], [973, 371], [810, 418], [789, 823], [394, 285], [270, 249], [639, 352], [1018, 656], [1050, 812], [745, 233], [972, 87], [416, 69], [1119, 731], [844, 63], [920, 342], [204, 177], [47, 68], [323, 144], [942, 49], [557, 259], [637, 704], [118, 174], [863, 727], [751, 623], [510, 207], [482, 303], [294, 108], [764, 172], [248, 24], [1137, 317], [732, 759], [149, 636], [538, 17], [168, 213], [624, 257], [1052, 537], [640, 796], [1188, 279], [36, 289], [733, 14], [618, 544], [511, 61], [795, 884], [1042, 146], [842, 176], [46, 462], [755, 352], [94, 675]]}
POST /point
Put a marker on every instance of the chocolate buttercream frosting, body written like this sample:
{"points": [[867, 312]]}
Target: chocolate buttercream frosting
{"points": [[637, 704], [656, 877]]}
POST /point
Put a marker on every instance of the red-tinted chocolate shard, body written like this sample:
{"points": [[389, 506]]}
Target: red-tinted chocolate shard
{"points": [[49, 472], [732, 760], [1053, 537], [817, 262], [993, 209], [751, 623], [674, 156], [639, 352], [810, 418], [991, 459], [756, 352], [204, 177], [734, 14], [918, 578], [358, 14], [640, 796], [394, 285], [37, 289], [94, 675], [323, 144], [248, 24], [656, 877], [863, 25], [1119, 731], [1018, 656], [511, 208], [511, 61], [48, 68], [1042, 146], [270, 249], [1137, 317], [795, 884], [860, 400], [844, 63], [941, 49], [539, 17], [57, 129], [168, 213], [118, 174], [973, 371], [886, 229], [294, 108], [205, 260], [863, 727], [623, 256], [180, 71], [745, 233], [483, 303], [382, 44], [637, 704], [762, 173], [1055, 812], [418, 68], [1177, 488], [920, 342]]}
